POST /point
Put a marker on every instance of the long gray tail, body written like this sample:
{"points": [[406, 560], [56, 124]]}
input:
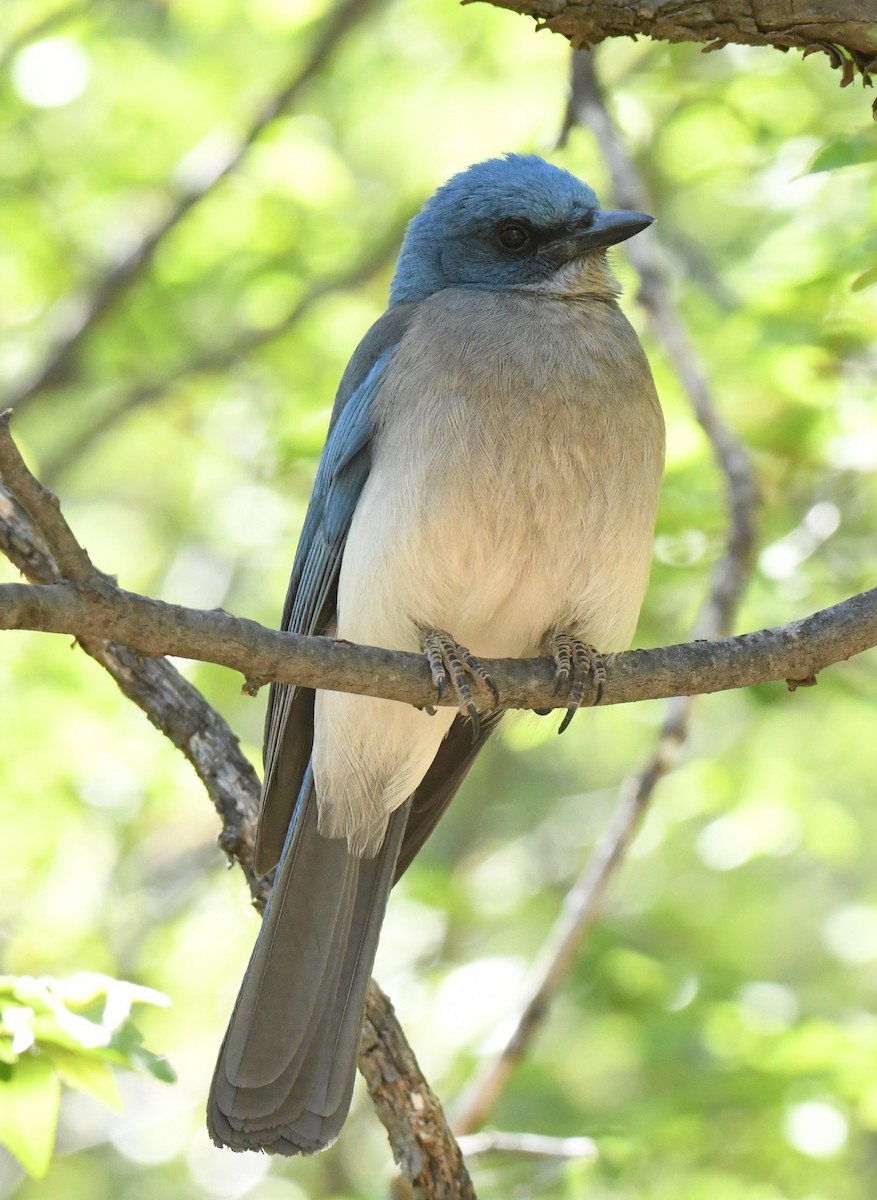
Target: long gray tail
{"points": [[287, 1065]]}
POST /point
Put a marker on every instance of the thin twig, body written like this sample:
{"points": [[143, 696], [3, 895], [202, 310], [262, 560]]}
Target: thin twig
{"points": [[583, 901], [218, 358], [580, 910], [498, 1141], [193, 186]]}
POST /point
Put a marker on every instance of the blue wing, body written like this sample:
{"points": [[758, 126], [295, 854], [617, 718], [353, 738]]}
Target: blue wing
{"points": [[310, 600]]}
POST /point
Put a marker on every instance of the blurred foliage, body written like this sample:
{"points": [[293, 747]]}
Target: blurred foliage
{"points": [[64, 1031], [718, 1036]]}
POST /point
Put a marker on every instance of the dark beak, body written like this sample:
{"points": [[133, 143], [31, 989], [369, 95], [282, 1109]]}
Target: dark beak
{"points": [[607, 228]]}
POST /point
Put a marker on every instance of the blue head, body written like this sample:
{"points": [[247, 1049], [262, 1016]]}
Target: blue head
{"points": [[508, 222]]}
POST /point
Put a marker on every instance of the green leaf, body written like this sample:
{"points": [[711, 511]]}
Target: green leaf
{"points": [[843, 152], [82, 1011], [16, 1031], [49, 1032], [29, 1103], [128, 1044], [159, 1068], [83, 990], [866, 279], [87, 1073]]}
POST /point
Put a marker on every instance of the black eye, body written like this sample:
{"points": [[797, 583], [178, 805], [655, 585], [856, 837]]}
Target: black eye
{"points": [[514, 236]]}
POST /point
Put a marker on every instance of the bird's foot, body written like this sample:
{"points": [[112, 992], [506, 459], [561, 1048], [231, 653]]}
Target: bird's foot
{"points": [[575, 662], [450, 661]]}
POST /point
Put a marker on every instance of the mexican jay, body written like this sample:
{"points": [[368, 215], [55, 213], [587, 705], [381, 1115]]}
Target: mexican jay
{"points": [[488, 488]]}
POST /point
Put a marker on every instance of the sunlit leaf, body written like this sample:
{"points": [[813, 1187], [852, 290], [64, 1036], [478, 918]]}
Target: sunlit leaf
{"points": [[86, 1073], [844, 152], [29, 1101], [866, 279]]}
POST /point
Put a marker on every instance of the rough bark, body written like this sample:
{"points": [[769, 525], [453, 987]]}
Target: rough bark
{"points": [[846, 30]]}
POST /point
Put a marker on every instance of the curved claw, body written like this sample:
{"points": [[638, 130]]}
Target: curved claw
{"points": [[476, 720], [448, 660], [570, 713]]}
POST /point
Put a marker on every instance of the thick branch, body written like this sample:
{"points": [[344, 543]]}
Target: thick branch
{"points": [[416, 1120], [96, 608], [845, 29]]}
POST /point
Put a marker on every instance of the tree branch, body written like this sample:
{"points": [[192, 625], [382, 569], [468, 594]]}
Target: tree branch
{"points": [[96, 608], [845, 30], [424, 1148], [795, 652], [587, 107]]}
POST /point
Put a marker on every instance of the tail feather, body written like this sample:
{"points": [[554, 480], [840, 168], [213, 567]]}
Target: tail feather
{"points": [[287, 1065]]}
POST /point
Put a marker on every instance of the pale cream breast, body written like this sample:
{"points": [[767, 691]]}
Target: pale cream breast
{"points": [[515, 478]]}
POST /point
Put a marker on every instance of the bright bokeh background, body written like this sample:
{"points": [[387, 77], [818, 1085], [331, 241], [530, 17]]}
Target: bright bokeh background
{"points": [[718, 1036]]}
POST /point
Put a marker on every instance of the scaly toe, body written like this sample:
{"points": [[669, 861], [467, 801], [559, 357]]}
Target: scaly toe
{"points": [[577, 662], [560, 647], [432, 648], [475, 669]]}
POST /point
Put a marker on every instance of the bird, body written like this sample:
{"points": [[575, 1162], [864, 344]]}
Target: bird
{"points": [[488, 489]]}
